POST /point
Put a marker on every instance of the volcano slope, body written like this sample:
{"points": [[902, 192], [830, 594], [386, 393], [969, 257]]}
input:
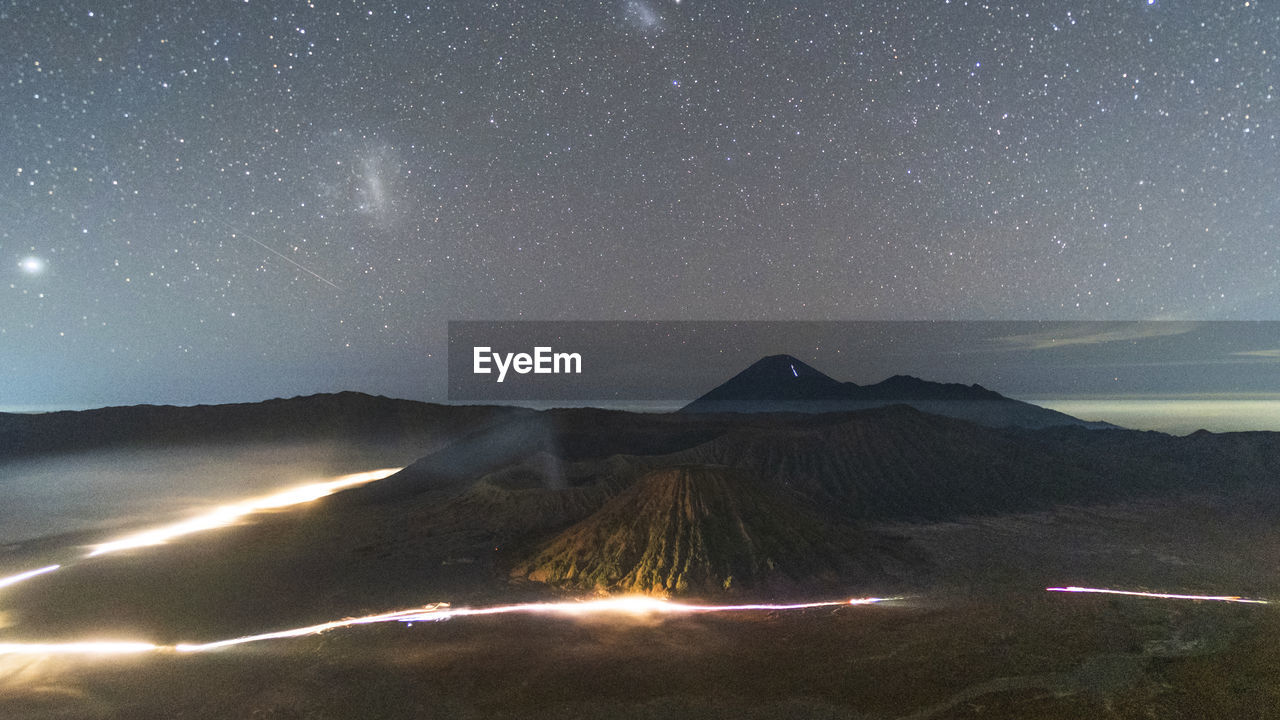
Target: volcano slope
{"points": [[694, 529]]}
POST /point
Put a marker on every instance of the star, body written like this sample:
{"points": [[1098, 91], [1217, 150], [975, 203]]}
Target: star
{"points": [[32, 265], [372, 179]]}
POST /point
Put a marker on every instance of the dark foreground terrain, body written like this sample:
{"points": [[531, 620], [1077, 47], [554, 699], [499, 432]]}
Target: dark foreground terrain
{"points": [[963, 525], [977, 637]]}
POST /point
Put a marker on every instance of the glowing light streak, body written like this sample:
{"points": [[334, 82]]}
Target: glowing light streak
{"points": [[105, 647], [442, 611], [427, 613], [1163, 596], [15, 579], [635, 605], [231, 514], [416, 614]]}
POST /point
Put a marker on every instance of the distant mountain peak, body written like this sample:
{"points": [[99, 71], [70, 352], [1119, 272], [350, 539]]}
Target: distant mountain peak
{"points": [[776, 378], [782, 367], [910, 387], [784, 383]]}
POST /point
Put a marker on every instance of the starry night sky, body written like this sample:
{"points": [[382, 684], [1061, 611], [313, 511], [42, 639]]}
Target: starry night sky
{"points": [[219, 201]]}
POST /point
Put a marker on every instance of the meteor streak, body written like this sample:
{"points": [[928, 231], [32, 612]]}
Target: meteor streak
{"points": [[279, 254], [15, 579], [230, 514], [1164, 596]]}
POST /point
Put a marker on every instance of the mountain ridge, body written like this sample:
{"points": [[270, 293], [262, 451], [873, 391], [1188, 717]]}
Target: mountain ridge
{"points": [[323, 416], [784, 383]]}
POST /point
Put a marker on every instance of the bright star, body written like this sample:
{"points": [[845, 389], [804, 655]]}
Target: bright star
{"points": [[31, 265]]}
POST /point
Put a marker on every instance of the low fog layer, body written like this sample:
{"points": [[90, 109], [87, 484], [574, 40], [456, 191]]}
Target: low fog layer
{"points": [[1177, 416]]}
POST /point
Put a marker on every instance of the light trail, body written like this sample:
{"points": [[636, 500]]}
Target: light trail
{"points": [[97, 647], [1162, 596], [231, 514], [15, 579], [219, 517], [637, 605], [415, 615]]}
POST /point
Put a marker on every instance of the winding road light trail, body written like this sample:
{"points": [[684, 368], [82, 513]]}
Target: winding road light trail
{"points": [[231, 514], [219, 517], [414, 614], [95, 647], [636, 605], [15, 579], [1162, 596]]}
